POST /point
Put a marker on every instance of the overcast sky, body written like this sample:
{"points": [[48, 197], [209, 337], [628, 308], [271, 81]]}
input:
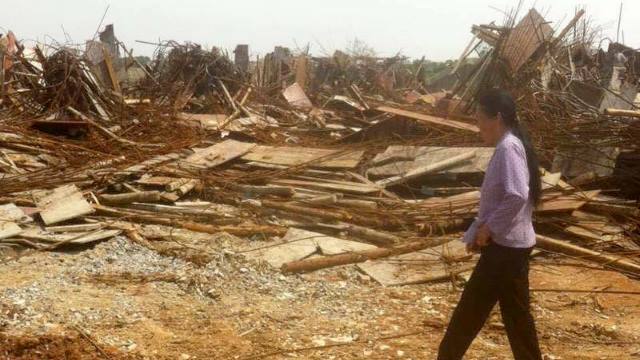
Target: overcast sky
{"points": [[436, 29]]}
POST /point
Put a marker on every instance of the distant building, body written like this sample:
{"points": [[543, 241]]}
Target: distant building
{"points": [[108, 38], [241, 58]]}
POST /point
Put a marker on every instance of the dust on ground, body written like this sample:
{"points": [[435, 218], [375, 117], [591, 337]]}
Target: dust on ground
{"points": [[130, 302]]}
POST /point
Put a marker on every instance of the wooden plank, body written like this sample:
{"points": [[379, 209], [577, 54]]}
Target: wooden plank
{"points": [[219, 121], [429, 118], [214, 210], [426, 169], [292, 156], [217, 154], [256, 190], [69, 238], [156, 180], [112, 73], [354, 188], [155, 161], [63, 203], [355, 257], [364, 180], [398, 159], [560, 202], [74, 228], [603, 233]]}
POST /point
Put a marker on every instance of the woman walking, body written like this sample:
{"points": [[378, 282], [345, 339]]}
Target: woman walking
{"points": [[503, 234]]}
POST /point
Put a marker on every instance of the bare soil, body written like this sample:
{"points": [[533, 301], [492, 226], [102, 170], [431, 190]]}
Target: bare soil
{"points": [[136, 304]]}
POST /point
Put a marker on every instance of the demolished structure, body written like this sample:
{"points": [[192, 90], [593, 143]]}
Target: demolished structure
{"points": [[328, 160]]}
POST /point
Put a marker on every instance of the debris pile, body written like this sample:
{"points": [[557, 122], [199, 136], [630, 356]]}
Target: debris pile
{"points": [[317, 162]]}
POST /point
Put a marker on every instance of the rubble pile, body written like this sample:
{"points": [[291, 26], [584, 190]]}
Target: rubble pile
{"points": [[324, 161]]}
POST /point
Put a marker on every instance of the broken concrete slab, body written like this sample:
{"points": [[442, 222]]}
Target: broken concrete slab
{"points": [[414, 266], [296, 97], [63, 203], [299, 244]]}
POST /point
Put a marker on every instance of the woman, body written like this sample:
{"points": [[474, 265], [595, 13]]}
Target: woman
{"points": [[503, 233]]}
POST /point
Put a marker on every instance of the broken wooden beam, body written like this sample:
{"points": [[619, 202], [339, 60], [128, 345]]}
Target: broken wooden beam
{"points": [[621, 112], [256, 190], [429, 118], [318, 263], [427, 169], [238, 230], [330, 214], [376, 237], [129, 198], [609, 261]]}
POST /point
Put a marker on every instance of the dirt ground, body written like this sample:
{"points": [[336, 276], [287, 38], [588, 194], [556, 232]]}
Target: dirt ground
{"points": [[120, 300]]}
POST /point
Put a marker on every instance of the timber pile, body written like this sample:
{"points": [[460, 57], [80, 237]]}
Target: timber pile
{"points": [[328, 162]]}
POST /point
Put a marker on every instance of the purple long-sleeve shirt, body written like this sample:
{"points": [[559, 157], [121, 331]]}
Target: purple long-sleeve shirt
{"points": [[504, 197]]}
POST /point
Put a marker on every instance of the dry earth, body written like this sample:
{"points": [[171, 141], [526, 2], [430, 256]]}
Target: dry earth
{"points": [[196, 297]]}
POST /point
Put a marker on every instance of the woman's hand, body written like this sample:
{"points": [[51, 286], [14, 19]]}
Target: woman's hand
{"points": [[483, 236]]}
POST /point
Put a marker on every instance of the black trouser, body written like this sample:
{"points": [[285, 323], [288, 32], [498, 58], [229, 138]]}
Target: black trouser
{"points": [[501, 274]]}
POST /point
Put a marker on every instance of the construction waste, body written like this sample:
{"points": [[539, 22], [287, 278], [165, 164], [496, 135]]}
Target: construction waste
{"points": [[327, 160]]}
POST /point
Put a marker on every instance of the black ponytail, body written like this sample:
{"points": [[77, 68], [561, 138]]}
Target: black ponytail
{"points": [[496, 101]]}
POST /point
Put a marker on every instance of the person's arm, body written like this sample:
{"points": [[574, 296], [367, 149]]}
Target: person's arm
{"points": [[512, 169], [470, 234]]}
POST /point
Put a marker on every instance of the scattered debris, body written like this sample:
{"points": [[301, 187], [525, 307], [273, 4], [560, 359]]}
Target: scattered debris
{"points": [[314, 162]]}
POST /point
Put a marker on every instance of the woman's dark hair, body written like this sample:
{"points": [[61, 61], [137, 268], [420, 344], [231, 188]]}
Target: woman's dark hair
{"points": [[496, 101]]}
